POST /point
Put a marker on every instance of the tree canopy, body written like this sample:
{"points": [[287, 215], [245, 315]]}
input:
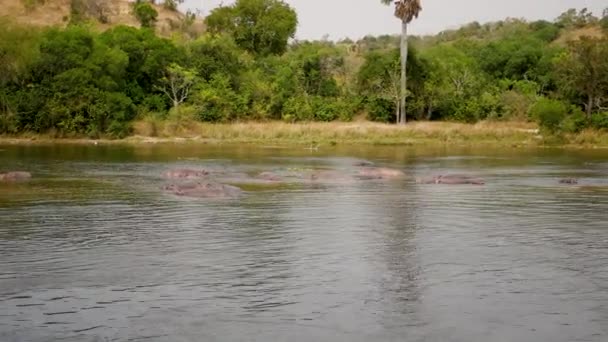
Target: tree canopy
{"points": [[261, 27]]}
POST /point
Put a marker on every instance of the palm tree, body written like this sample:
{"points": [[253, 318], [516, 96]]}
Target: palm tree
{"points": [[406, 10]]}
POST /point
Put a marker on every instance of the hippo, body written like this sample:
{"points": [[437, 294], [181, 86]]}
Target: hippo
{"points": [[451, 179], [15, 176], [328, 176], [363, 163], [185, 174], [379, 173], [269, 176], [204, 190], [568, 181]]}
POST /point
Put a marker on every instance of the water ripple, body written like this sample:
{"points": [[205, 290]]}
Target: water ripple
{"points": [[118, 260]]}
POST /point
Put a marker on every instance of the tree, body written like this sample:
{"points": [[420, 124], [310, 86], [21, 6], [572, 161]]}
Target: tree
{"points": [[148, 56], [19, 47], [379, 76], [145, 13], [604, 20], [572, 18], [456, 85], [172, 4], [177, 83], [262, 27], [582, 72], [406, 11]]}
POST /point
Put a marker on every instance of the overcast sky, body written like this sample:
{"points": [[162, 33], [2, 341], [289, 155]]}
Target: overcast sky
{"points": [[357, 18]]}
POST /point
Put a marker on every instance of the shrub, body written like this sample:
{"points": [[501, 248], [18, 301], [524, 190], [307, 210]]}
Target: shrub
{"points": [[599, 121], [297, 108], [380, 109], [575, 122], [145, 13], [516, 105], [549, 113]]}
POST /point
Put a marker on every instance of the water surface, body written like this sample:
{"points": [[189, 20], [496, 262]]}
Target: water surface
{"points": [[92, 250]]}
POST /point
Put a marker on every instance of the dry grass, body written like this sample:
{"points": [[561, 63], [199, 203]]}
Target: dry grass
{"points": [[593, 31], [316, 133], [489, 133]]}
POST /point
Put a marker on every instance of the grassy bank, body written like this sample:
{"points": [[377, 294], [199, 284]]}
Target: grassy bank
{"points": [[507, 134]]}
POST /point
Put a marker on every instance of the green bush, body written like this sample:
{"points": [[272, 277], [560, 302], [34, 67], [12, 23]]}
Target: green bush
{"points": [[8, 122], [145, 13], [381, 110], [219, 102], [155, 103], [298, 108], [599, 121], [549, 113], [575, 122]]}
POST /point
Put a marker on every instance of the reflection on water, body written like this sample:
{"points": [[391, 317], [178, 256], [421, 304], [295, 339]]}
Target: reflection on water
{"points": [[92, 250]]}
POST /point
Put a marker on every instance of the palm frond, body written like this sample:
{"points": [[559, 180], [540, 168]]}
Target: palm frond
{"points": [[407, 10]]}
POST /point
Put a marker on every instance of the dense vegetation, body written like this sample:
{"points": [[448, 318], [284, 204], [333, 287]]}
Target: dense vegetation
{"points": [[75, 80]]}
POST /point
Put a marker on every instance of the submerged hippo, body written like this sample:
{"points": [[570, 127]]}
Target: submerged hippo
{"points": [[363, 163], [185, 174], [269, 176], [203, 190], [568, 181], [15, 176], [451, 179], [379, 173], [329, 176]]}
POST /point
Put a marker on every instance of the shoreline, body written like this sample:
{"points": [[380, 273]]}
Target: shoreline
{"points": [[323, 134]]}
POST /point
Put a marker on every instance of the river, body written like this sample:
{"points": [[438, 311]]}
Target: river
{"points": [[92, 250]]}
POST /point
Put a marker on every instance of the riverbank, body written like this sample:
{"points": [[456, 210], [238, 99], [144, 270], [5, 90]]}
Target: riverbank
{"points": [[318, 134]]}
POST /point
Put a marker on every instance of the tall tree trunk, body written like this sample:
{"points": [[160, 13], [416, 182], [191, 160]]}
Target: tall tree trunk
{"points": [[402, 115]]}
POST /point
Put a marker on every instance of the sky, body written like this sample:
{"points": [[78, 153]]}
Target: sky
{"points": [[357, 18]]}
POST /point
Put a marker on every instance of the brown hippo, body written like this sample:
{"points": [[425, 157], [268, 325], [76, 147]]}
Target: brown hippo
{"points": [[328, 176], [185, 174], [269, 176], [15, 176], [363, 163], [568, 181], [451, 179], [203, 190], [379, 173]]}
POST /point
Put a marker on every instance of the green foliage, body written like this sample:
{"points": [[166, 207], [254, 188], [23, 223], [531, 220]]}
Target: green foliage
{"points": [[145, 13], [217, 101], [582, 72], [211, 55], [172, 4], [575, 122], [74, 81], [176, 83], [19, 50], [148, 58], [544, 31], [549, 113], [604, 20], [381, 109], [380, 76], [599, 121], [573, 19], [261, 27]]}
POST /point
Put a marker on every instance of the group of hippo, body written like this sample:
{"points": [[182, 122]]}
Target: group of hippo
{"points": [[201, 183], [204, 183]]}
